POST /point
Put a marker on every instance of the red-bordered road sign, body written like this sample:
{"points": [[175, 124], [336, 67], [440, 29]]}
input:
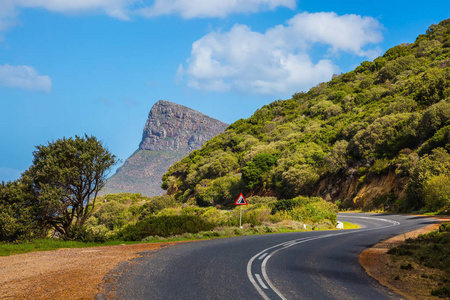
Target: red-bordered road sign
{"points": [[241, 200]]}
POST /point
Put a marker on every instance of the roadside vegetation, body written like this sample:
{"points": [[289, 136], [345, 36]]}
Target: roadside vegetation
{"points": [[132, 218], [56, 204], [431, 253]]}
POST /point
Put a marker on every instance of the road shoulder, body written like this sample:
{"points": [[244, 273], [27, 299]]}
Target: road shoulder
{"points": [[386, 269], [64, 273]]}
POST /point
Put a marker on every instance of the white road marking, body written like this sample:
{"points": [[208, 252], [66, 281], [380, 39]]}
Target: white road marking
{"points": [[262, 256], [291, 243], [261, 282]]}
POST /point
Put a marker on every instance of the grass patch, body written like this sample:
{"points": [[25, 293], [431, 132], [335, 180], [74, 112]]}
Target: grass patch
{"points": [[50, 244], [348, 225]]}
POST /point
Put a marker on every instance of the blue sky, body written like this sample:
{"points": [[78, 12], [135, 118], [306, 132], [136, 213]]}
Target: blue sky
{"points": [[97, 66]]}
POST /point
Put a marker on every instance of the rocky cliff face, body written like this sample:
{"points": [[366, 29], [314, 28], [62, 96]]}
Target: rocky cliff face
{"points": [[171, 132], [172, 127], [375, 192]]}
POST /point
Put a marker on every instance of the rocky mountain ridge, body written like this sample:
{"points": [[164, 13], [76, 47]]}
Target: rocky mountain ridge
{"points": [[172, 127], [171, 132]]}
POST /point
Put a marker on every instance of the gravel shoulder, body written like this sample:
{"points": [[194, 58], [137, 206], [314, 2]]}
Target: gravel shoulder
{"points": [[386, 269], [64, 273]]}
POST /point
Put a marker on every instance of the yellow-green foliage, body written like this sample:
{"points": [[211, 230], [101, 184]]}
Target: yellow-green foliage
{"points": [[123, 198], [437, 192], [305, 210]]}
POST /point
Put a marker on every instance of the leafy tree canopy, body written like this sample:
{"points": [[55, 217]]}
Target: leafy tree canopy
{"points": [[65, 178]]}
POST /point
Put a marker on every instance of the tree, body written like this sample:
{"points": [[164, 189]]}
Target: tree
{"points": [[65, 178], [254, 170], [427, 174], [17, 213], [436, 191]]}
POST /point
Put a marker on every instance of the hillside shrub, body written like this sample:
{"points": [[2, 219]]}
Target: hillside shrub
{"points": [[435, 164], [157, 204], [298, 181], [436, 192], [18, 219], [254, 170], [221, 191], [305, 209], [164, 226], [112, 214]]}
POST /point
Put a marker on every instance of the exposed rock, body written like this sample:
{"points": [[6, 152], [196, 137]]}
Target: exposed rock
{"points": [[172, 126], [361, 195], [171, 132]]}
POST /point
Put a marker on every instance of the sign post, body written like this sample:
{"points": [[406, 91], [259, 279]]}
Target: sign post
{"points": [[240, 201]]}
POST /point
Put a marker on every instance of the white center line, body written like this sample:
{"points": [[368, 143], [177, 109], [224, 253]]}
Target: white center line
{"points": [[261, 283], [262, 256]]}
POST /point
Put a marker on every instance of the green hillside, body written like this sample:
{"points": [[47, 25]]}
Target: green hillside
{"points": [[378, 136]]}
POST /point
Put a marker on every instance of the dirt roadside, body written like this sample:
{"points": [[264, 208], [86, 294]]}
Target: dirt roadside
{"points": [[64, 273], [386, 269]]}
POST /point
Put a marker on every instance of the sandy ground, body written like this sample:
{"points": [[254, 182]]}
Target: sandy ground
{"points": [[385, 268], [64, 273]]}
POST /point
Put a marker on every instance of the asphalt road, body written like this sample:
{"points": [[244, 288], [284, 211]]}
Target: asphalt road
{"points": [[300, 265]]}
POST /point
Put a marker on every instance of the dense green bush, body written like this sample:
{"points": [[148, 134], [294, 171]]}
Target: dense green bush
{"points": [[86, 234], [111, 214], [157, 204], [163, 226], [436, 190], [221, 191], [424, 175], [305, 209], [18, 217], [254, 170]]}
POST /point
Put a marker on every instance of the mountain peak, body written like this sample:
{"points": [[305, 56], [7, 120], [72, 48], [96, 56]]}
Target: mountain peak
{"points": [[171, 132], [172, 126]]}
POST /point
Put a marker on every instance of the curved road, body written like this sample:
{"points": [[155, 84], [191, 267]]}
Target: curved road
{"points": [[300, 265]]}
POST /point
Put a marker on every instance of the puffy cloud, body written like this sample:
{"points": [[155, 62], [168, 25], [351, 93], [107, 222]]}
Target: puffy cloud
{"points": [[278, 60], [24, 77], [212, 8], [346, 33]]}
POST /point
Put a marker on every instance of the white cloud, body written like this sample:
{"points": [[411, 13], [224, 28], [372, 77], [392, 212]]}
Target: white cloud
{"points": [[9, 9], [24, 77], [124, 9], [278, 60], [212, 8], [114, 8]]}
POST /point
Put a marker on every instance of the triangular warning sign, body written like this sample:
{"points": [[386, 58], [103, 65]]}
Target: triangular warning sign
{"points": [[241, 200]]}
